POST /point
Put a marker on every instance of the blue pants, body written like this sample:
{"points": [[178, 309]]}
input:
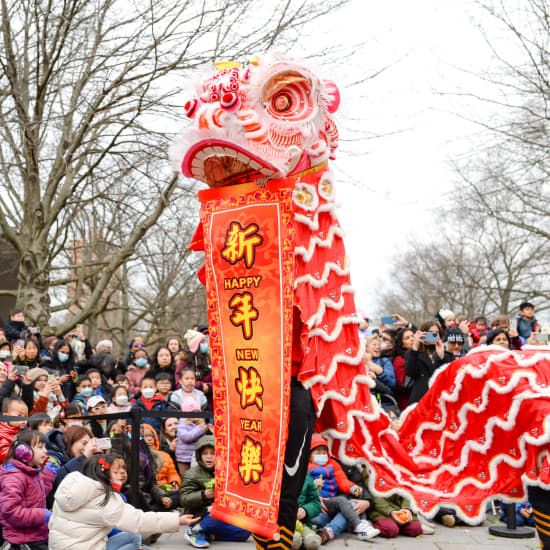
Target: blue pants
{"points": [[338, 523], [124, 541], [221, 530]]}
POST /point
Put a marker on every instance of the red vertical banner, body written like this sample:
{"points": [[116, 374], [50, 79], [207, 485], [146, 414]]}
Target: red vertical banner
{"points": [[249, 256]]}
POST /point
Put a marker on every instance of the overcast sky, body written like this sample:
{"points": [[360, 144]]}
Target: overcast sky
{"points": [[400, 178]]}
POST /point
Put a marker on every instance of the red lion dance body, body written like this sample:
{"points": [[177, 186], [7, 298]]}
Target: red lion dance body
{"points": [[482, 430]]}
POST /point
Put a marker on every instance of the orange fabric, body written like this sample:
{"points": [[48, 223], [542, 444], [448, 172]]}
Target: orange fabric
{"points": [[344, 484], [167, 472], [7, 435], [40, 405], [249, 271]]}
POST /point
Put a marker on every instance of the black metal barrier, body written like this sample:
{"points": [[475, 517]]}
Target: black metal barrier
{"points": [[136, 416]]}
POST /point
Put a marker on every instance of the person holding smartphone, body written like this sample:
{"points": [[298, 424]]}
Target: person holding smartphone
{"points": [[427, 354]]}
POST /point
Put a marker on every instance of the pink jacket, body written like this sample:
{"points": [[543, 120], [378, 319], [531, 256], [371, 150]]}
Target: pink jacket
{"points": [[23, 492], [135, 376]]}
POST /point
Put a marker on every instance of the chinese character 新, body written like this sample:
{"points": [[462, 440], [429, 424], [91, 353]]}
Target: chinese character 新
{"points": [[241, 243]]}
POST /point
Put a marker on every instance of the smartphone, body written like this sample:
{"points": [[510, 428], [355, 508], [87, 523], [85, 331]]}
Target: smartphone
{"points": [[430, 337], [51, 377], [21, 370], [387, 320], [541, 337], [20, 342], [103, 443], [34, 330]]}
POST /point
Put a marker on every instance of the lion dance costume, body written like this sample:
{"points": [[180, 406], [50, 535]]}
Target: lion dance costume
{"points": [[482, 430]]}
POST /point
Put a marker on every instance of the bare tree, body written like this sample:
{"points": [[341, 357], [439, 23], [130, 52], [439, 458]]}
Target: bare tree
{"points": [[479, 265], [513, 155], [86, 96]]}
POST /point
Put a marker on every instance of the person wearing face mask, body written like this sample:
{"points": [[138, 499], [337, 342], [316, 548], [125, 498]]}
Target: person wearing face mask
{"points": [[10, 381], [137, 369], [120, 400], [97, 406], [150, 400], [5, 352], [62, 363], [338, 512], [84, 391]]}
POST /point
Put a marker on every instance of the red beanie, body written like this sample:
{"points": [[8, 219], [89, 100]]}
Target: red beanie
{"points": [[318, 441]]}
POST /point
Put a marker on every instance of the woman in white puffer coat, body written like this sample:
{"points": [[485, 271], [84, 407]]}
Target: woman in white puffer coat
{"points": [[87, 508]]}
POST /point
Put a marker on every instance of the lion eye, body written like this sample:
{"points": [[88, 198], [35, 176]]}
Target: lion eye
{"points": [[281, 103]]}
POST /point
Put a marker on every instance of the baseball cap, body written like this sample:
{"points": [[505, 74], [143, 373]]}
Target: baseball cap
{"points": [[94, 401]]}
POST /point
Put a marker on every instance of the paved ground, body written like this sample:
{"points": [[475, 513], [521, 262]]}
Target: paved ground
{"points": [[458, 538]]}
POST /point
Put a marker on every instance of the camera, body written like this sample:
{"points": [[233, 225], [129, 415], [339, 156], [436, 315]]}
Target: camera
{"points": [[430, 337], [387, 320]]}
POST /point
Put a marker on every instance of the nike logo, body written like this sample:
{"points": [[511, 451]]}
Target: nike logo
{"points": [[291, 471]]}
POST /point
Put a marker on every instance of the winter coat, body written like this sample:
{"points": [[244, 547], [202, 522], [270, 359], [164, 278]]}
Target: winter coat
{"points": [[387, 377], [165, 467], [55, 366], [60, 457], [23, 492], [7, 435], [401, 392], [524, 327], [156, 403], [335, 479], [179, 397], [187, 436], [135, 376], [55, 445], [14, 329], [192, 497], [81, 402], [49, 404], [420, 368], [384, 506], [309, 500], [80, 522]]}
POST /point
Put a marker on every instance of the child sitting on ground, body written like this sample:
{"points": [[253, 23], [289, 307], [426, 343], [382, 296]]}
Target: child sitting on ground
{"points": [[197, 495], [167, 477], [309, 506], [331, 481]]}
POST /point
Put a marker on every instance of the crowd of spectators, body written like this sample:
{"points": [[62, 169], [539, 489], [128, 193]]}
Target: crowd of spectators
{"points": [[63, 452]]}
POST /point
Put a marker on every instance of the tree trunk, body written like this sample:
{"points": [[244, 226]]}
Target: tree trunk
{"points": [[33, 292]]}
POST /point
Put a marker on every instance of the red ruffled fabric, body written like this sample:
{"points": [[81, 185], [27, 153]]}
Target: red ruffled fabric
{"points": [[482, 430]]}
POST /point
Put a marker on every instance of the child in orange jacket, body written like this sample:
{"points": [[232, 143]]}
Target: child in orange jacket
{"points": [[168, 479]]}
